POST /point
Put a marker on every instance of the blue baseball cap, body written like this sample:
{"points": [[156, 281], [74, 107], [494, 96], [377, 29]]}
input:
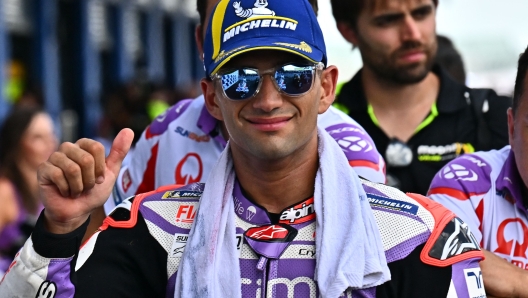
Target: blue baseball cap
{"points": [[240, 26]]}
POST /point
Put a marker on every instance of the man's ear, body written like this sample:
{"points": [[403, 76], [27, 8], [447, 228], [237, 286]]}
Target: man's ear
{"points": [[511, 126], [198, 37], [348, 33], [328, 88], [211, 101]]}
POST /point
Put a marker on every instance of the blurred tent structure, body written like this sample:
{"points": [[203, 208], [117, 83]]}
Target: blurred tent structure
{"points": [[73, 50]]}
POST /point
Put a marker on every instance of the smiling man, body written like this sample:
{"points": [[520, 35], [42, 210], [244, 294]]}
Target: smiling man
{"points": [[282, 213], [417, 115]]}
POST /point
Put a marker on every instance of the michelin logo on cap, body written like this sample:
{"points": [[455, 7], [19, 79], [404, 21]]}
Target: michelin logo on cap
{"points": [[259, 16]]}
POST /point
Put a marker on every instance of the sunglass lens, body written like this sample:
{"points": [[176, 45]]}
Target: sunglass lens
{"points": [[294, 80], [240, 84]]}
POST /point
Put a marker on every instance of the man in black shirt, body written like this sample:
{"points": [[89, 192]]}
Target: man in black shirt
{"points": [[417, 115]]}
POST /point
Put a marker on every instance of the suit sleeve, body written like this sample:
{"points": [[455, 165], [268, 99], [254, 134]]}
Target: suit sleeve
{"points": [[112, 263], [461, 186], [358, 146]]}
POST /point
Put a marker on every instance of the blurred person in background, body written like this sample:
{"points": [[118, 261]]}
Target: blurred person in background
{"points": [[488, 191], [26, 140], [418, 116], [182, 145]]}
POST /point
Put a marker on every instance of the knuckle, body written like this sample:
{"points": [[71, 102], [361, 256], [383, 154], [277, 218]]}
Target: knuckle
{"points": [[72, 169], [65, 146], [86, 160]]}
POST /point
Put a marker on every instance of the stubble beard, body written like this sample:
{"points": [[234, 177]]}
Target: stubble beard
{"points": [[385, 68]]}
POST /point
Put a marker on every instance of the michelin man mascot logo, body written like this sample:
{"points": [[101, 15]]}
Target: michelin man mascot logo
{"points": [[257, 11]]}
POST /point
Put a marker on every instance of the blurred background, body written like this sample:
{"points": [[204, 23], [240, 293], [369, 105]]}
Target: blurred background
{"points": [[99, 65]]}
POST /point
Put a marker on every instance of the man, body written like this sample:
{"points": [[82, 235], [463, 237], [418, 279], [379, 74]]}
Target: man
{"points": [[182, 145], [488, 191], [282, 213], [418, 116]]}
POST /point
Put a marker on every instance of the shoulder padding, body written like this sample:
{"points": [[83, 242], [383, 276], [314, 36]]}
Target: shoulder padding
{"points": [[462, 178], [451, 241], [134, 209]]}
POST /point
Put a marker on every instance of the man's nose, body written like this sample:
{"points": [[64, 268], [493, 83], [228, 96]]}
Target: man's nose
{"points": [[410, 29], [268, 97]]}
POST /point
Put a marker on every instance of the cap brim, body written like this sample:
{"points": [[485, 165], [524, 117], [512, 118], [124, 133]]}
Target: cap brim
{"points": [[290, 45]]}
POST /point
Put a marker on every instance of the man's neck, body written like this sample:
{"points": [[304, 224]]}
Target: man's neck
{"points": [[393, 102], [277, 184]]}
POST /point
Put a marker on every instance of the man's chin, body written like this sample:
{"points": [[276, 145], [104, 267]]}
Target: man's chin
{"points": [[410, 74]]}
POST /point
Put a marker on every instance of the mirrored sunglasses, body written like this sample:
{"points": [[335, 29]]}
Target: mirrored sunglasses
{"points": [[245, 82]]}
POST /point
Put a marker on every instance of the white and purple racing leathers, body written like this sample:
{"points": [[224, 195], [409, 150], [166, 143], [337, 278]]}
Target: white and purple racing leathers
{"points": [[137, 251], [182, 145], [485, 190]]}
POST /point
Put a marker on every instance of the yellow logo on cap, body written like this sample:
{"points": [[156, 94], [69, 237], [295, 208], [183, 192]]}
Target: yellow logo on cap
{"points": [[302, 46], [224, 54]]}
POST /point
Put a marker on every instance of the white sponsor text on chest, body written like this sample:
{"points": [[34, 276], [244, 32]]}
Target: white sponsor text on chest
{"points": [[259, 23]]}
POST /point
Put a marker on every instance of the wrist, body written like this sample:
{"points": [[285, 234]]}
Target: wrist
{"points": [[55, 226]]}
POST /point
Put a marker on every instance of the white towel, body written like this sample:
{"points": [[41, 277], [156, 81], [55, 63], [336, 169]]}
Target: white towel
{"points": [[348, 243]]}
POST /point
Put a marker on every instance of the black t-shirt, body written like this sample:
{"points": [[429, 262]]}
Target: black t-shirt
{"points": [[452, 131]]}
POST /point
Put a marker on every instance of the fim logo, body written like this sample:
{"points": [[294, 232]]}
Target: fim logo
{"points": [[474, 282], [186, 213]]}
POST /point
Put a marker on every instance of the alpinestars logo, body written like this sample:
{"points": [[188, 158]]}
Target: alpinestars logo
{"points": [[267, 232], [299, 213], [459, 239]]}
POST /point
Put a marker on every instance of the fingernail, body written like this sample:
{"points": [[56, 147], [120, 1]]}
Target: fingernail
{"points": [[100, 179]]}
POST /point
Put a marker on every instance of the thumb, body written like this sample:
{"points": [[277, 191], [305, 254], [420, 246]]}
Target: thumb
{"points": [[119, 150]]}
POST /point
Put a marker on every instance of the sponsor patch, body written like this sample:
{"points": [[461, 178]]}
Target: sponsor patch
{"points": [[191, 135], [442, 153], [181, 194], [186, 213], [272, 233], [178, 245], [386, 203], [474, 282], [299, 213]]}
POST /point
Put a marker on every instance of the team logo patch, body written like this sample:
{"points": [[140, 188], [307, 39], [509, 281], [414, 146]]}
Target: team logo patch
{"points": [[474, 282], [299, 213], [455, 239], [459, 172], [386, 203], [181, 194]]}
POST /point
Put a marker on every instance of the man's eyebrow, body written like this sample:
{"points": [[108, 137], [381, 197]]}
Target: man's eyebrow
{"points": [[395, 15]]}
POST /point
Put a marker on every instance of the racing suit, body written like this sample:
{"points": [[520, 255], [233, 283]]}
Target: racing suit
{"points": [[137, 251], [182, 145], [485, 190]]}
